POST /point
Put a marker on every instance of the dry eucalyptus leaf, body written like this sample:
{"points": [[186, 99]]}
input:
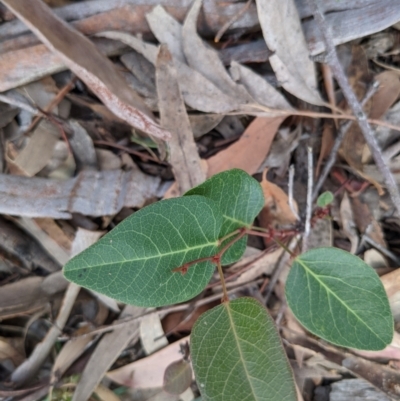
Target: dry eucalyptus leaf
{"points": [[206, 60], [183, 153], [107, 351], [198, 92], [39, 150], [148, 372], [167, 30], [282, 32], [259, 88], [88, 64], [250, 150]]}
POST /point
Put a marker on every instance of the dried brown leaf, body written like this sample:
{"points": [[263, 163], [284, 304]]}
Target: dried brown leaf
{"points": [[276, 211], [282, 32], [88, 64], [250, 150], [183, 153]]}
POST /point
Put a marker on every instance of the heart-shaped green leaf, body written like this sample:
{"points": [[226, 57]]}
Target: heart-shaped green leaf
{"points": [[240, 199], [341, 299], [133, 263], [237, 355]]}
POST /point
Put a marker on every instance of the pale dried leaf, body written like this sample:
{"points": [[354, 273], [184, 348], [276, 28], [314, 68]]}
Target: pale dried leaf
{"points": [[152, 334], [183, 153], [106, 352], [259, 88], [167, 30], [250, 150], [91, 193], [203, 123], [148, 372], [39, 150], [198, 92], [87, 63], [82, 147], [282, 32], [206, 60]]}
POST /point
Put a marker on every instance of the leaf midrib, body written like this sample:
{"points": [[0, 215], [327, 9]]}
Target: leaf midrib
{"points": [[240, 350], [149, 257], [329, 291]]}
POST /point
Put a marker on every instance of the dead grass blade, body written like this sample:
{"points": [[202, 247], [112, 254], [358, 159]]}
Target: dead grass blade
{"points": [[281, 28], [88, 64], [183, 154]]}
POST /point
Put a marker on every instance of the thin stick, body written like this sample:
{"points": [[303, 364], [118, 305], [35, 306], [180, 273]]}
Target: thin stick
{"points": [[310, 182], [338, 142], [312, 114], [290, 192], [333, 61]]}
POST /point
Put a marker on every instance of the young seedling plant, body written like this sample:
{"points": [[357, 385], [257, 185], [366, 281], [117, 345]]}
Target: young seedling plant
{"points": [[167, 252]]}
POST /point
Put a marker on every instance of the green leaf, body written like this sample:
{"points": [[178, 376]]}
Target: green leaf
{"points": [[240, 199], [341, 299], [133, 263], [237, 355], [325, 199]]}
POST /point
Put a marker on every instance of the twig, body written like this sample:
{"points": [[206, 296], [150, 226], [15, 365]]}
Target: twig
{"points": [[333, 61], [20, 104], [310, 182], [338, 141], [290, 192]]}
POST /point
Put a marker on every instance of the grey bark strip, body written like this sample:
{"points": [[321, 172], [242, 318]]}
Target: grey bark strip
{"points": [[91, 193], [88, 64]]}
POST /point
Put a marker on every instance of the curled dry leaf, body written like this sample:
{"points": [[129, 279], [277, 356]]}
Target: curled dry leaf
{"points": [[198, 92], [277, 211], [88, 64], [282, 32], [183, 154]]}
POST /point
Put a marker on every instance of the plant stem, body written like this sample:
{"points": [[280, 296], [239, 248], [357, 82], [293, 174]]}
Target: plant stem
{"points": [[225, 297], [333, 61]]}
